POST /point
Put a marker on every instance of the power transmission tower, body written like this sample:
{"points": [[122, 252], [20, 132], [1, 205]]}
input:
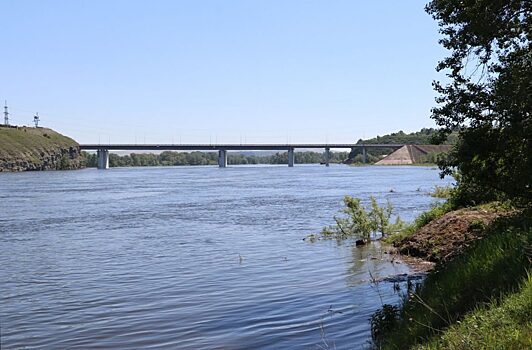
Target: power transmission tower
{"points": [[6, 114], [36, 119]]}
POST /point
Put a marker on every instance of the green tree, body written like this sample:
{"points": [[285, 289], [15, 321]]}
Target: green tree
{"points": [[488, 97], [89, 159]]}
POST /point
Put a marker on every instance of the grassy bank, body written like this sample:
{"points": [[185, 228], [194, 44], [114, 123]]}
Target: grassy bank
{"points": [[18, 142], [25, 148], [501, 324], [475, 286]]}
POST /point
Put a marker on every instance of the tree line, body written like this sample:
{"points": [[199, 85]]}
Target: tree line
{"points": [[170, 158]]}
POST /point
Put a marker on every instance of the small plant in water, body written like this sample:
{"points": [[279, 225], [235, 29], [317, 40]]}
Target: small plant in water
{"points": [[361, 222], [444, 192]]}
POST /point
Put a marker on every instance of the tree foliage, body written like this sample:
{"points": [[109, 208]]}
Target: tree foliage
{"points": [[421, 137], [488, 96], [170, 158]]}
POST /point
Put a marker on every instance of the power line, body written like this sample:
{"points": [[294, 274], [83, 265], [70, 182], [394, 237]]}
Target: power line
{"points": [[6, 114]]}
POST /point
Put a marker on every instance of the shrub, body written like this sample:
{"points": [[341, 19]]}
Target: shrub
{"points": [[362, 222], [64, 164], [444, 192]]}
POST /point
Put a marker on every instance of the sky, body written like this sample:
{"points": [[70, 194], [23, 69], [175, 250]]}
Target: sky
{"points": [[231, 71]]}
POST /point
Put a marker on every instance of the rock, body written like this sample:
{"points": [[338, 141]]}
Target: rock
{"points": [[404, 277], [33, 152]]}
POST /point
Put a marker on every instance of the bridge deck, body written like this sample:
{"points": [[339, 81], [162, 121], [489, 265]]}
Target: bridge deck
{"points": [[228, 147]]}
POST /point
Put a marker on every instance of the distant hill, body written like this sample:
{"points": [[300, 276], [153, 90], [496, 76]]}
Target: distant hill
{"points": [[422, 137], [25, 148]]}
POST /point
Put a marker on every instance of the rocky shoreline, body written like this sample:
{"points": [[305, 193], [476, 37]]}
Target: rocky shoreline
{"points": [[48, 161], [36, 149]]}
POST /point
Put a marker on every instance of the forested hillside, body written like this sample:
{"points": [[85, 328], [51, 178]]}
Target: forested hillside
{"points": [[424, 136]]}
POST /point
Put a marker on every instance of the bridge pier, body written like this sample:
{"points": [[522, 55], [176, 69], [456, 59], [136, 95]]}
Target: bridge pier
{"points": [[291, 157], [222, 158], [103, 158], [364, 155], [327, 156]]}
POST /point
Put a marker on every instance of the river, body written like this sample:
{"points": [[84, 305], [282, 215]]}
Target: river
{"points": [[193, 257]]}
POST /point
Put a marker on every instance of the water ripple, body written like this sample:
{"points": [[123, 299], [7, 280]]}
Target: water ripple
{"points": [[192, 257]]}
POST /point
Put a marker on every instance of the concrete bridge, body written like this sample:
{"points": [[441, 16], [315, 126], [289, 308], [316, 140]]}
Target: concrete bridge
{"points": [[103, 150]]}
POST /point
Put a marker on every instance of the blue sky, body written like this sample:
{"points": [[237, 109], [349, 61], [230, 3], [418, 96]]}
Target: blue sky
{"points": [[219, 71]]}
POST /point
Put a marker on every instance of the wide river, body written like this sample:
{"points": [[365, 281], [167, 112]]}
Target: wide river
{"points": [[193, 257]]}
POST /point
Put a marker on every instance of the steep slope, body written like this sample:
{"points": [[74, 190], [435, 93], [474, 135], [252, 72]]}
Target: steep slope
{"points": [[25, 148], [414, 154]]}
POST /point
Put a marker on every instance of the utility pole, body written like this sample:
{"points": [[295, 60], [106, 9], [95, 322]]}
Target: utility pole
{"points": [[36, 119], [6, 114]]}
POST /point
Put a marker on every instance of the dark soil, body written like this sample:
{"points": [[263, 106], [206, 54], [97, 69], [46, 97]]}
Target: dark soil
{"points": [[448, 236]]}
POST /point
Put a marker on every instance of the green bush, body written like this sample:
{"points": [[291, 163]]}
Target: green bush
{"points": [[362, 222], [64, 164], [444, 192]]}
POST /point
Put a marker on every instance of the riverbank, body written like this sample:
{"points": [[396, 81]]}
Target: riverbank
{"points": [[28, 149], [481, 279], [451, 234]]}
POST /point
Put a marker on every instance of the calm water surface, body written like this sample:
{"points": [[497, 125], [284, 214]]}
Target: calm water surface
{"points": [[192, 257]]}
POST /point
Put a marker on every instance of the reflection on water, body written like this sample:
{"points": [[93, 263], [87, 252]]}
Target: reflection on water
{"points": [[193, 257]]}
